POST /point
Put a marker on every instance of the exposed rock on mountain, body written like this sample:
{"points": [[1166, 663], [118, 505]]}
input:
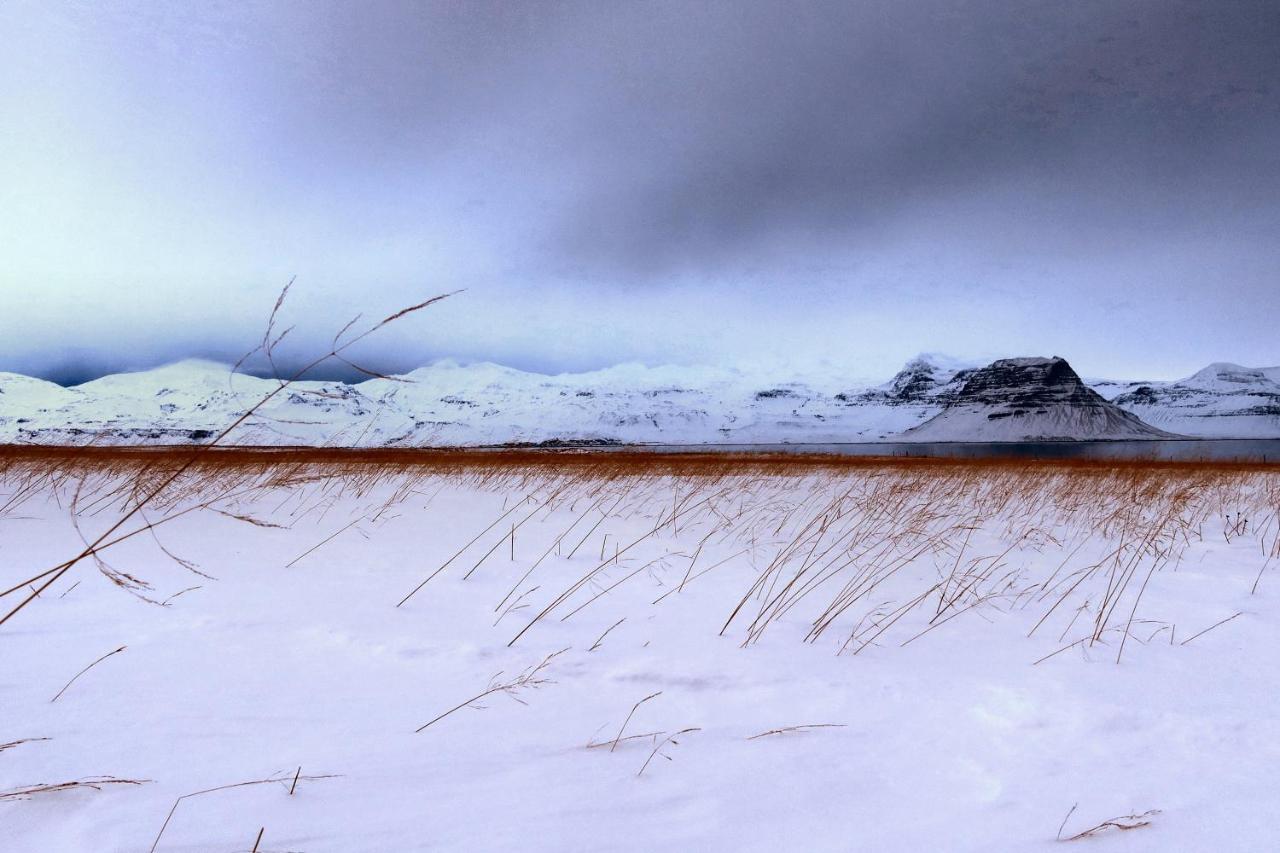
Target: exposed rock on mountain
{"points": [[927, 378], [1221, 400], [1030, 399]]}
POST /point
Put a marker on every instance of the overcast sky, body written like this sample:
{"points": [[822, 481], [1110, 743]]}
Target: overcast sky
{"points": [[738, 184]]}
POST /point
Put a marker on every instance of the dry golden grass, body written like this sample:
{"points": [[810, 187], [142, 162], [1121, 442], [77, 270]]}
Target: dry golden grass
{"points": [[61, 461], [830, 532], [96, 783]]}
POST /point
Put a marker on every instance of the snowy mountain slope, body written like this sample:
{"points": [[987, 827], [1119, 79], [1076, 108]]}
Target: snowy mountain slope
{"points": [[1030, 399], [487, 404], [928, 377], [1109, 389], [185, 401], [21, 395], [449, 403], [1222, 400]]}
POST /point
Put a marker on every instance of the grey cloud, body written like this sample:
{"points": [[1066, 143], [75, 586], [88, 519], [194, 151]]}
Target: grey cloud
{"points": [[877, 167], [840, 121]]}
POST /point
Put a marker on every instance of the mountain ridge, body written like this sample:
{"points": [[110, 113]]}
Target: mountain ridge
{"points": [[454, 403]]}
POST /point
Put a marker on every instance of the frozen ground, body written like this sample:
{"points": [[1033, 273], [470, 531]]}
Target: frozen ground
{"points": [[938, 722]]}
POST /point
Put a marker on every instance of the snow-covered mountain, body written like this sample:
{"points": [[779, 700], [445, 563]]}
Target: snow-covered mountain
{"points": [[1029, 399], [448, 403], [1222, 400]]}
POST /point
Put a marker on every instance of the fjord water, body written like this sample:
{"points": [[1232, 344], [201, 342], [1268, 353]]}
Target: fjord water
{"points": [[1170, 450]]}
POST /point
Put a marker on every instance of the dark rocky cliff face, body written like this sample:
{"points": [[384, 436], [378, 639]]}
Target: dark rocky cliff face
{"points": [[1028, 383], [1030, 399]]}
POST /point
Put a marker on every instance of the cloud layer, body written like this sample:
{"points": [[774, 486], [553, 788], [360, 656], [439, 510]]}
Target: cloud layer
{"points": [[715, 182]]}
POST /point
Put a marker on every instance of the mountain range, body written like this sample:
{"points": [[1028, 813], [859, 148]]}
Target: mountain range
{"points": [[449, 403]]}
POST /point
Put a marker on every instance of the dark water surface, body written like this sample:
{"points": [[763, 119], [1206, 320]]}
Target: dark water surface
{"points": [[1180, 450]]}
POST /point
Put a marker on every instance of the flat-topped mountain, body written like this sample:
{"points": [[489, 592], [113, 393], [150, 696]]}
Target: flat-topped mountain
{"points": [[1030, 399]]}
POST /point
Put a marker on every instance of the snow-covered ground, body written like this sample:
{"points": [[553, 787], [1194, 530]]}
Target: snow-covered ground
{"points": [[888, 608]]}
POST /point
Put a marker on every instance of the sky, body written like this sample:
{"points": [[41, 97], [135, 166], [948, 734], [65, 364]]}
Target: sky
{"points": [[817, 186]]}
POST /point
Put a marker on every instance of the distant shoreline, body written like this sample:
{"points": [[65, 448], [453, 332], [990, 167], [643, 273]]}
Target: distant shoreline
{"points": [[1182, 452]]}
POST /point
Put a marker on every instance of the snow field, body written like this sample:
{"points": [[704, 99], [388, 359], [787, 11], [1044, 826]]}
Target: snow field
{"points": [[887, 608]]}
